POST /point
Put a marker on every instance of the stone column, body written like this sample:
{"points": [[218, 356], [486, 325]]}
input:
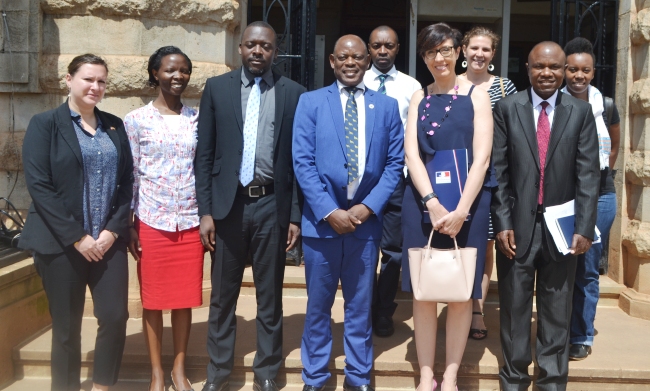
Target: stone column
{"points": [[630, 258]]}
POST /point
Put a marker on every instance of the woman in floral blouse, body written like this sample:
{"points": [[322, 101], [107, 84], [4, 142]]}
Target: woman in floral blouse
{"points": [[165, 234]]}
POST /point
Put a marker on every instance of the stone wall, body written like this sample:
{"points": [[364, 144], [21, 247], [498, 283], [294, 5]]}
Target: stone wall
{"points": [[630, 244], [45, 35]]}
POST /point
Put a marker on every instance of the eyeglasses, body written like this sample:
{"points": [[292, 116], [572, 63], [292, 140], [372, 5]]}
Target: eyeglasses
{"points": [[445, 51]]}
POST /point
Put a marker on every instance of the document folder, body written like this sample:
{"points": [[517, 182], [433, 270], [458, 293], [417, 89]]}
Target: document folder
{"points": [[447, 171], [560, 221]]}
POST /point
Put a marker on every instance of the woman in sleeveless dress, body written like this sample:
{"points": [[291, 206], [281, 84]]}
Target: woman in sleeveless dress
{"points": [[448, 114], [479, 48]]}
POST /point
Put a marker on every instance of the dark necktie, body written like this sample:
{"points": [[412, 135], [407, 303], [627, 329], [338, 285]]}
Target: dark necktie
{"points": [[382, 86], [351, 135], [543, 137]]}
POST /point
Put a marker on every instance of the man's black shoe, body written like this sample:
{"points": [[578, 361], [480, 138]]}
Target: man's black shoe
{"points": [[312, 388], [579, 352], [264, 385], [223, 385], [365, 387], [384, 326]]}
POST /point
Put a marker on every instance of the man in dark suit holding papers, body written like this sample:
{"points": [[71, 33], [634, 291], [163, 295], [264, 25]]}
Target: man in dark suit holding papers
{"points": [[540, 128]]}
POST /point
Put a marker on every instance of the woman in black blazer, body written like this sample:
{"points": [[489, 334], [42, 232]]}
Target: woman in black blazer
{"points": [[79, 173]]}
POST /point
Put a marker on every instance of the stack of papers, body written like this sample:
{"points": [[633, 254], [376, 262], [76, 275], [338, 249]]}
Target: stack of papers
{"points": [[560, 221]]}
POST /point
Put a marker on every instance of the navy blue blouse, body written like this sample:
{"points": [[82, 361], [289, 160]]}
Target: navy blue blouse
{"points": [[100, 171]]}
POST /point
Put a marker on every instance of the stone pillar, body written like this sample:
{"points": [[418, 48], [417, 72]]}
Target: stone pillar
{"points": [[630, 255]]}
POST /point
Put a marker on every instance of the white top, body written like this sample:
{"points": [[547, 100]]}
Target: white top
{"points": [[172, 120], [361, 118], [537, 107], [399, 86]]}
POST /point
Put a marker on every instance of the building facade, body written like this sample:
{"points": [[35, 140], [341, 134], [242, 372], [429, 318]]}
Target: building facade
{"points": [[38, 38]]}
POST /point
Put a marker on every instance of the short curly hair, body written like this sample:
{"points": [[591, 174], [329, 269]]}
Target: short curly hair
{"points": [[155, 60], [435, 34], [579, 45], [480, 31]]}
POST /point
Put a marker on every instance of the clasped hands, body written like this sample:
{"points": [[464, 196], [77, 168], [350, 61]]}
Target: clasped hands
{"points": [[346, 221], [506, 244], [94, 250], [448, 223]]}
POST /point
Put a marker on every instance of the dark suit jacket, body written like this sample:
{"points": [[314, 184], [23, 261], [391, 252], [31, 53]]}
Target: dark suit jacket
{"points": [[221, 140], [54, 174], [572, 167]]}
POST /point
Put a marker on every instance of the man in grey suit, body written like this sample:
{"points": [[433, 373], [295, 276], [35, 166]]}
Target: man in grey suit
{"points": [[540, 127]]}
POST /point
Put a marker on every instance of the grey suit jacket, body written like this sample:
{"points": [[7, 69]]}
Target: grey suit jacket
{"points": [[571, 172]]}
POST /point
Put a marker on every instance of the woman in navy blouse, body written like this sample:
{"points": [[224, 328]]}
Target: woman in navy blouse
{"points": [[79, 173]]}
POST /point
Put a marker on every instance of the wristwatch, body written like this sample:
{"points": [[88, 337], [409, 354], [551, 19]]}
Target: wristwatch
{"points": [[427, 197], [114, 235]]}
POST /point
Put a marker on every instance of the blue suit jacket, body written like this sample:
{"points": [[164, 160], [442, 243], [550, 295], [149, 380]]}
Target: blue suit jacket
{"points": [[319, 159]]}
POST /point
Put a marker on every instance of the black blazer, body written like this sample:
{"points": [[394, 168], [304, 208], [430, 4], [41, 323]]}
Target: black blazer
{"points": [[54, 174], [572, 167], [219, 150]]}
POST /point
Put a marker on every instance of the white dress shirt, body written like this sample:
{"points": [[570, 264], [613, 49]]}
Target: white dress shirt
{"points": [[537, 107], [398, 85], [361, 118]]}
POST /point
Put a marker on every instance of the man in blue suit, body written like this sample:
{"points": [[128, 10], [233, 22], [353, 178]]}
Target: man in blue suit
{"points": [[347, 155]]}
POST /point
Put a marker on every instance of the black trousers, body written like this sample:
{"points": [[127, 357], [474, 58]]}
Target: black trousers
{"points": [[65, 277], [383, 303], [555, 281], [250, 231]]}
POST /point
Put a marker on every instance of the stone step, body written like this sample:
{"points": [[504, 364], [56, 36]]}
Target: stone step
{"points": [[619, 361], [294, 286], [44, 384]]}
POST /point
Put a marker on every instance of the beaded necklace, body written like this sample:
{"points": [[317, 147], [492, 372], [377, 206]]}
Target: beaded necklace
{"points": [[437, 125]]}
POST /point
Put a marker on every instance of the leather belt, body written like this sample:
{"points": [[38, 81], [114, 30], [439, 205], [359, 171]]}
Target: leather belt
{"points": [[255, 191]]}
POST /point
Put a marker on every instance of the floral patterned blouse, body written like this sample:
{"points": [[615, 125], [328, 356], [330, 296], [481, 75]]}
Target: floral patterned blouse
{"points": [[164, 195]]}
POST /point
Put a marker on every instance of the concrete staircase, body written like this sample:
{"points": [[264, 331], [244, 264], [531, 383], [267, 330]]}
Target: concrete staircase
{"points": [[620, 360]]}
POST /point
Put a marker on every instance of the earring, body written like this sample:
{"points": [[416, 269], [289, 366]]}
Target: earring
{"points": [[464, 64], [491, 67]]}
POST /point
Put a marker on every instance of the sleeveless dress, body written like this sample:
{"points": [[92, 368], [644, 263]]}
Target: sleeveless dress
{"points": [[457, 132]]}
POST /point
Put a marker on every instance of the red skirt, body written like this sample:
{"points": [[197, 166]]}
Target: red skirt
{"points": [[170, 270]]}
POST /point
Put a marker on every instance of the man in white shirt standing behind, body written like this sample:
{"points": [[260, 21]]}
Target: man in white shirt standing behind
{"points": [[383, 77]]}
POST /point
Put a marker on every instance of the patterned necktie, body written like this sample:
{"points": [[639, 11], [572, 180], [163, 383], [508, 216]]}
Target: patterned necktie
{"points": [[543, 137], [382, 86], [351, 135], [250, 134]]}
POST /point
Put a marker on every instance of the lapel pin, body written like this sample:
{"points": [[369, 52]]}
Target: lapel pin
{"points": [[371, 106], [112, 128]]}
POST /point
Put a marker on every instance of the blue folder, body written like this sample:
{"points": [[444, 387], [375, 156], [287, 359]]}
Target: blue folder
{"points": [[567, 228], [447, 171]]}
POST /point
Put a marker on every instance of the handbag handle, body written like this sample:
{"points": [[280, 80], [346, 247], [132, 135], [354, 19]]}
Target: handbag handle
{"points": [[427, 249]]}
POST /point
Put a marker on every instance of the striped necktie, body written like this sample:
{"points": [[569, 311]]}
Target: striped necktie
{"points": [[382, 85], [351, 135]]}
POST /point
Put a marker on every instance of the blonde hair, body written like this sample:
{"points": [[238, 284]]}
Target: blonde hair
{"points": [[480, 31]]}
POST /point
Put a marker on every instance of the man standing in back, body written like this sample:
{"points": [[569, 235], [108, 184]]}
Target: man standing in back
{"points": [[384, 78], [348, 155], [545, 153], [247, 200]]}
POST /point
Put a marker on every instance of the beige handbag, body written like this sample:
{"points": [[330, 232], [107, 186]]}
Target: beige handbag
{"points": [[442, 275]]}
